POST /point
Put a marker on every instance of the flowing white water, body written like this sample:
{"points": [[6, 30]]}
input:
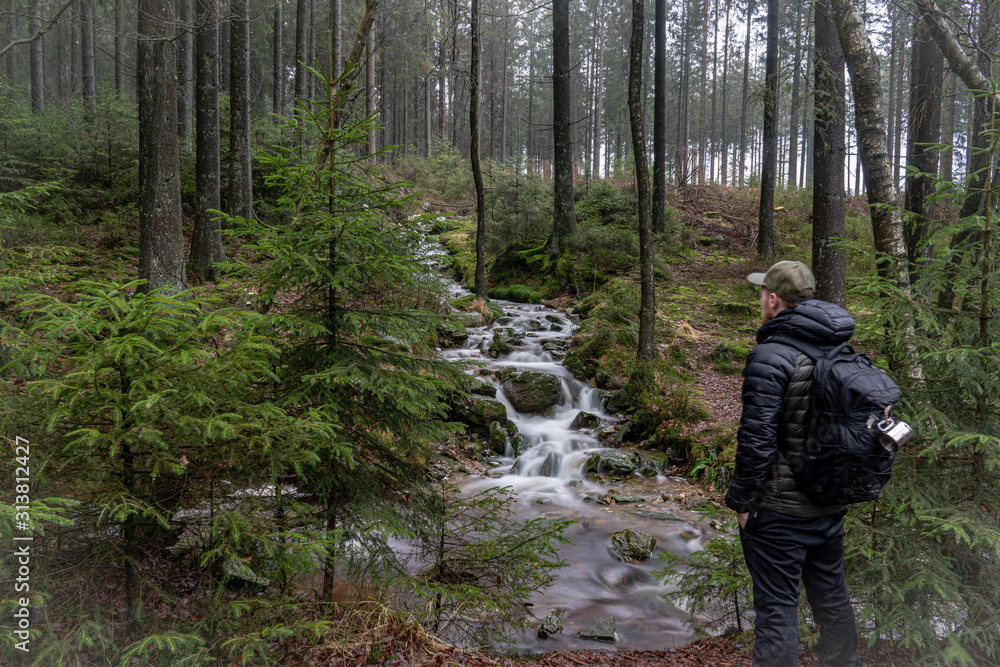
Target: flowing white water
{"points": [[549, 478]]}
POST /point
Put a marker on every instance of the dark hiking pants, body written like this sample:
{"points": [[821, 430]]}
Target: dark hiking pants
{"points": [[780, 550]]}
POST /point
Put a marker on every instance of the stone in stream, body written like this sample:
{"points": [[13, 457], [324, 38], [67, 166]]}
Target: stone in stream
{"points": [[553, 624], [518, 444], [615, 462], [504, 340], [479, 410], [498, 439], [631, 545], [504, 373], [481, 388], [602, 631], [451, 334], [550, 468], [532, 391], [585, 420]]}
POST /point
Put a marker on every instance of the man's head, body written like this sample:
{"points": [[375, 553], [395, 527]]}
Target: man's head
{"points": [[785, 285]]}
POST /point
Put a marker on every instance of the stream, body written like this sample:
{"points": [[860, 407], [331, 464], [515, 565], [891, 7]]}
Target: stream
{"points": [[549, 478]]}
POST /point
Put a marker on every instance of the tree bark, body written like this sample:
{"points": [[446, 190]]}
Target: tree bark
{"points": [[37, 64], [715, 80], [185, 79], [829, 91], [240, 174], [703, 96], [119, 49], [206, 242], [599, 94], [923, 136], [793, 112], [336, 39], [87, 59], [278, 61], [301, 46], [564, 217], [724, 139], [883, 197], [659, 116], [477, 175], [161, 235], [769, 157], [947, 127], [746, 94], [647, 308], [370, 86]]}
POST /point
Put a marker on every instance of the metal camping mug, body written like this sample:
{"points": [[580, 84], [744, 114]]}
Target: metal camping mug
{"points": [[894, 433]]}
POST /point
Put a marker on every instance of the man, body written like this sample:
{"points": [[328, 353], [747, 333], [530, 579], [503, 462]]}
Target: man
{"points": [[786, 536]]}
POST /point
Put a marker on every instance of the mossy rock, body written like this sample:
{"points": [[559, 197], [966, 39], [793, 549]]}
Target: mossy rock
{"points": [[741, 309], [517, 293], [730, 351]]}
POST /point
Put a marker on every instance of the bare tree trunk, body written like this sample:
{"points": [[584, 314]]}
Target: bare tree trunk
{"points": [[896, 139], [185, 78], [225, 28], [893, 99], [809, 113], [442, 77], [278, 61], [301, 49], [793, 113], [704, 88], [746, 94], [948, 127], [659, 116], [240, 174], [599, 94], [564, 217], [87, 58], [206, 242], [37, 63], [715, 80], [477, 176], [370, 86], [503, 115], [336, 39], [926, 77], [119, 49], [883, 198], [724, 175], [161, 235], [647, 308], [769, 148], [829, 92]]}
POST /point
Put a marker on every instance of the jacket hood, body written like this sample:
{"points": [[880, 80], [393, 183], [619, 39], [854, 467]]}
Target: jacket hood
{"points": [[814, 321]]}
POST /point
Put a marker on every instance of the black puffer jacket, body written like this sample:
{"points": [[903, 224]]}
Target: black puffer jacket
{"points": [[776, 392]]}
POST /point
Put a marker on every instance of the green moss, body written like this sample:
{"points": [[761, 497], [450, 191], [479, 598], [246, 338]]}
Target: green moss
{"points": [[519, 293], [741, 309]]}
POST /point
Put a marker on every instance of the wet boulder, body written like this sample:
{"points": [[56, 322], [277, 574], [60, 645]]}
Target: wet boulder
{"points": [[451, 334], [481, 388], [618, 463], [505, 339], [498, 438], [602, 631], [479, 411], [550, 467], [632, 545], [532, 391], [553, 624], [585, 420]]}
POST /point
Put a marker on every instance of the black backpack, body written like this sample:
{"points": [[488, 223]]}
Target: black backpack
{"points": [[844, 461]]}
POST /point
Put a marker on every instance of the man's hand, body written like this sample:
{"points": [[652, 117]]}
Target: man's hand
{"points": [[742, 518]]}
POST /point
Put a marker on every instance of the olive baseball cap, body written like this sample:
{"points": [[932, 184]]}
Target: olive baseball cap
{"points": [[787, 279]]}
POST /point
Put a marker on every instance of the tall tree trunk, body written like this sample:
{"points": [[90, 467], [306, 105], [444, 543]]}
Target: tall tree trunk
{"points": [[746, 94], [896, 140], [724, 140], [883, 197], [370, 86], [564, 217], [599, 95], [647, 305], [37, 62], [793, 113], [765, 234], [161, 235], [206, 242], [829, 91], [301, 46], [503, 115], [683, 102], [948, 127], [923, 136], [225, 28], [185, 78], [659, 116], [87, 58], [278, 61], [715, 80], [119, 49], [336, 39], [703, 95], [442, 75], [809, 113], [893, 99], [477, 176], [769, 157], [240, 174]]}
